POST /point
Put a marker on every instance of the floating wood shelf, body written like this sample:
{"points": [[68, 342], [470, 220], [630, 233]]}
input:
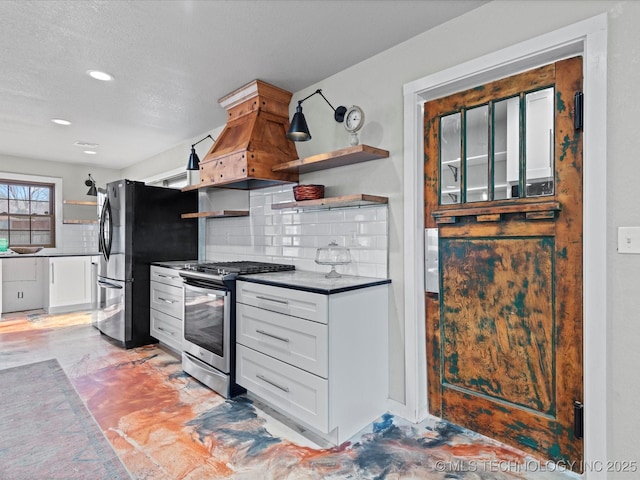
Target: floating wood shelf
{"points": [[358, 200], [191, 187], [218, 214], [338, 158], [79, 222], [80, 202]]}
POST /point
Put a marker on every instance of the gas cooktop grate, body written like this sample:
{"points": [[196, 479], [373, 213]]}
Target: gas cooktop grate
{"points": [[243, 267]]}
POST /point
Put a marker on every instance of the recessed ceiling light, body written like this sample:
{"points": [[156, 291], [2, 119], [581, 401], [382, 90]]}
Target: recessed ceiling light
{"points": [[61, 121], [85, 144], [98, 75], [90, 152]]}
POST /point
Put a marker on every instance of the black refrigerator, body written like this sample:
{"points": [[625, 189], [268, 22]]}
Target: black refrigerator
{"points": [[139, 224]]}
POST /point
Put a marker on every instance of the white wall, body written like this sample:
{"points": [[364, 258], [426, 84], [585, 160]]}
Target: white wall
{"points": [[376, 86], [174, 158]]}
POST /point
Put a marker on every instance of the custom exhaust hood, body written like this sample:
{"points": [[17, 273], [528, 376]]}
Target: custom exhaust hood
{"points": [[252, 142]]}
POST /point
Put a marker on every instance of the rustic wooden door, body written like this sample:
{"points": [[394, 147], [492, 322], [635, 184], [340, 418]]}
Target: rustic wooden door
{"points": [[504, 332]]}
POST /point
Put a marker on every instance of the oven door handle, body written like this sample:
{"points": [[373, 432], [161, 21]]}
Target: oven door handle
{"points": [[206, 290]]}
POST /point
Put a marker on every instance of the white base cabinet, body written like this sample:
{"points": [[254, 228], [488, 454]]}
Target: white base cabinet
{"points": [[56, 284], [22, 284], [69, 284], [320, 360], [167, 307]]}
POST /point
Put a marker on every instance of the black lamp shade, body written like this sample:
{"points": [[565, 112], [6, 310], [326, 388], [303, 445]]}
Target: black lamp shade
{"points": [[91, 183], [298, 130], [194, 161]]}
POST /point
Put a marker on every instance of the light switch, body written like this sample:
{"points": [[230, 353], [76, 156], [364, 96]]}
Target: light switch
{"points": [[628, 239]]}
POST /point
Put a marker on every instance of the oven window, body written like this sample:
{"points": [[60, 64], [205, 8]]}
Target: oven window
{"points": [[204, 319]]}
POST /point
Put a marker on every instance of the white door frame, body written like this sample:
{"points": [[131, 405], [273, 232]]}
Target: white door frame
{"points": [[589, 39]]}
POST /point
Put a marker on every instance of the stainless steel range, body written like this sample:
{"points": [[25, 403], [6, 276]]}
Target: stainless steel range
{"points": [[209, 320]]}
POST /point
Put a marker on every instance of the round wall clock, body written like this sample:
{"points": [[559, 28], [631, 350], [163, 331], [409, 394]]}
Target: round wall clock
{"points": [[353, 121]]}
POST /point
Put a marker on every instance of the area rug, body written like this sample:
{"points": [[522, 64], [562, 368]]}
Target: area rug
{"points": [[46, 432]]}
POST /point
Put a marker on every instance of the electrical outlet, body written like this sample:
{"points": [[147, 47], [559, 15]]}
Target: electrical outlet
{"points": [[628, 239]]}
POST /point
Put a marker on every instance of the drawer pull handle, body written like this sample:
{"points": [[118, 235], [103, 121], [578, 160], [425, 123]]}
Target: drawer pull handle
{"points": [[167, 301], [166, 331], [284, 389], [167, 276], [286, 302], [282, 339]]}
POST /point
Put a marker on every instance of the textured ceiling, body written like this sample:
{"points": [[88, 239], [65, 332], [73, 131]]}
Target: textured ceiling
{"points": [[171, 61]]}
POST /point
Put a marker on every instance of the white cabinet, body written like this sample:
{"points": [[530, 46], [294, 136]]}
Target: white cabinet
{"points": [[167, 306], [69, 284], [22, 284], [319, 359]]}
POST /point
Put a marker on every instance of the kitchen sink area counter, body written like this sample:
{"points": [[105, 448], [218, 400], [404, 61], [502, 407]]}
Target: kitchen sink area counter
{"points": [[315, 282], [43, 254], [54, 281]]}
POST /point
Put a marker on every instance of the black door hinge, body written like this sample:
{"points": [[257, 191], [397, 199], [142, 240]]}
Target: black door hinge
{"points": [[578, 110], [578, 419]]}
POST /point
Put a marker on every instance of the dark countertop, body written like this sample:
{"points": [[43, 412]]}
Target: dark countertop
{"points": [[176, 264], [47, 255], [314, 282]]}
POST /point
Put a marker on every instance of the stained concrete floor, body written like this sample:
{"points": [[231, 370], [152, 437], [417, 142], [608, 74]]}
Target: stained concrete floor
{"points": [[165, 425]]}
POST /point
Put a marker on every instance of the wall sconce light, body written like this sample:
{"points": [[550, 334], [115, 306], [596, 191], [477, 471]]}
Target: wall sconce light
{"points": [[91, 183], [194, 161], [299, 131]]}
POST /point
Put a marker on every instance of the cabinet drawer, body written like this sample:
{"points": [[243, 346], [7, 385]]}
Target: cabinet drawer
{"points": [[168, 276], [167, 299], [167, 329], [311, 306], [298, 342], [295, 392]]}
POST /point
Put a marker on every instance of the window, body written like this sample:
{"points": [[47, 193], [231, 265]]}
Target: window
{"points": [[497, 141], [170, 179], [177, 181], [27, 213]]}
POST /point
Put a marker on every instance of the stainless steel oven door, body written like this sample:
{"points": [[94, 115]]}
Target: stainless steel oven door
{"points": [[207, 323]]}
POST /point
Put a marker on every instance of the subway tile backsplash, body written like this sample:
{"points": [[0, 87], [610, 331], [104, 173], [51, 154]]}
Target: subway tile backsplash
{"points": [[292, 236]]}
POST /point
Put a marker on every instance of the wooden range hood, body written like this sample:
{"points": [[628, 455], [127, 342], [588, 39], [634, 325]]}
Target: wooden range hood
{"points": [[252, 142]]}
